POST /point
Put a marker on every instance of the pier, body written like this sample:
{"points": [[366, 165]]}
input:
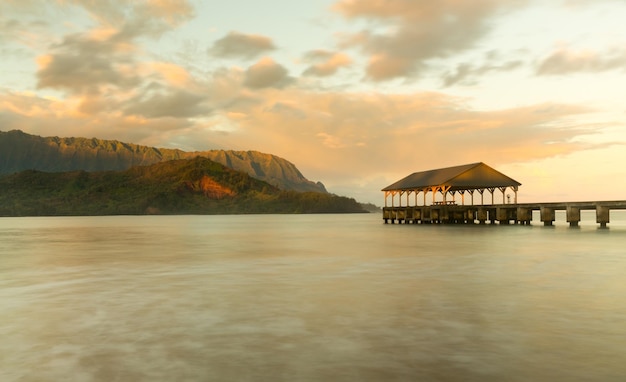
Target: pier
{"points": [[431, 197], [500, 213]]}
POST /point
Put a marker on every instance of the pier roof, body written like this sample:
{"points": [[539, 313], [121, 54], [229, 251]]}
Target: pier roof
{"points": [[466, 177]]}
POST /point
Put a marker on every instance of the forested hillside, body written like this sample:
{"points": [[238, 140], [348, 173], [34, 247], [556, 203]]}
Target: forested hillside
{"points": [[184, 186]]}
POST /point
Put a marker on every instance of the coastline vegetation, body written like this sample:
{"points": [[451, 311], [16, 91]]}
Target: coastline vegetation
{"points": [[186, 186]]}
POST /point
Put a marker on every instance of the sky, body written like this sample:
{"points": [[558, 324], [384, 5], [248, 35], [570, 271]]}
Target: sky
{"points": [[356, 93]]}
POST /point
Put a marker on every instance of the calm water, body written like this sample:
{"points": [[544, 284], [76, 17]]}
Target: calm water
{"points": [[309, 298]]}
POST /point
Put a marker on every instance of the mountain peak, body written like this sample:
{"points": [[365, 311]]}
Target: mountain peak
{"points": [[21, 151]]}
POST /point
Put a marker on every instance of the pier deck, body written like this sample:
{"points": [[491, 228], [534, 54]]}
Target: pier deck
{"points": [[520, 213]]}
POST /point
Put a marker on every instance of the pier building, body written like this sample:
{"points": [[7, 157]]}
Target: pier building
{"points": [[443, 185]]}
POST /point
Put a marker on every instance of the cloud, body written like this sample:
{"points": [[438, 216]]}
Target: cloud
{"points": [[146, 18], [287, 109], [103, 72], [345, 134], [566, 61], [266, 73], [138, 18], [83, 63], [170, 12], [467, 73], [341, 138], [332, 134], [44, 116], [351, 140], [239, 45], [176, 104], [171, 74], [10, 30], [105, 66], [325, 63], [405, 34], [331, 141]]}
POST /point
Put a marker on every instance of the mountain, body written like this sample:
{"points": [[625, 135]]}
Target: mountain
{"points": [[20, 151], [183, 186]]}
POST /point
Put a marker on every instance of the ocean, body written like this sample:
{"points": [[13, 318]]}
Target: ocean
{"points": [[310, 298]]}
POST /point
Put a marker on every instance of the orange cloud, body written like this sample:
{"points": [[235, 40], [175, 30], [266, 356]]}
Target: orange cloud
{"points": [[101, 34], [47, 117], [173, 74], [369, 132], [331, 141], [326, 63], [384, 66]]}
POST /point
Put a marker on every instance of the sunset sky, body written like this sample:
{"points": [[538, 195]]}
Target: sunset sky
{"points": [[356, 93]]}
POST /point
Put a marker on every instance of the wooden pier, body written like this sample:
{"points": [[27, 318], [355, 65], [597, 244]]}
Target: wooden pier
{"points": [[522, 213], [446, 185]]}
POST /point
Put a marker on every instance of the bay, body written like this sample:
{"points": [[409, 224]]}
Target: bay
{"points": [[309, 298]]}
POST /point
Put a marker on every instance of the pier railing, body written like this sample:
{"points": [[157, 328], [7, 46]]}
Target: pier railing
{"points": [[521, 213]]}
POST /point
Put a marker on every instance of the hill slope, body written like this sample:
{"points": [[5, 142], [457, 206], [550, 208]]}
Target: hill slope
{"points": [[185, 186], [20, 151]]}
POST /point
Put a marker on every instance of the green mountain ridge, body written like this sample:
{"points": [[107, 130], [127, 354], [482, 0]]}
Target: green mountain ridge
{"points": [[21, 151], [183, 186]]}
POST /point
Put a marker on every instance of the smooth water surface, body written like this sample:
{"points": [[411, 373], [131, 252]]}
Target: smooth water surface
{"points": [[309, 298]]}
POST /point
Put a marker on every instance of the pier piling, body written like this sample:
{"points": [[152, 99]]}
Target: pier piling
{"points": [[602, 215], [547, 215], [524, 215], [572, 215]]}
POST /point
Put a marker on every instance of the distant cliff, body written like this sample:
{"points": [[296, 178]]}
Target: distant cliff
{"points": [[20, 151], [184, 186]]}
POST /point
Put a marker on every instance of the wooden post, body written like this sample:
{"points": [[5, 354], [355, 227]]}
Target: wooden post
{"points": [[602, 216], [503, 189], [492, 190], [434, 191], [481, 215], [524, 215], [434, 215], [417, 215], [573, 216], [443, 214], [502, 215], [444, 191], [547, 215], [470, 215], [482, 196]]}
